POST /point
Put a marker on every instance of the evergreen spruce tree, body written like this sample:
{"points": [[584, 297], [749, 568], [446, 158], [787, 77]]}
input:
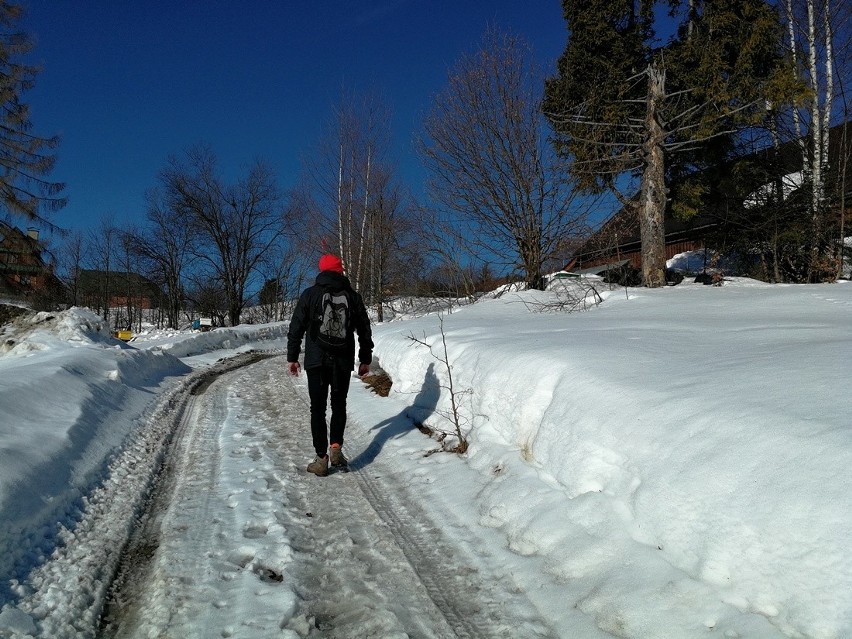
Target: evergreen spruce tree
{"points": [[25, 158], [623, 103]]}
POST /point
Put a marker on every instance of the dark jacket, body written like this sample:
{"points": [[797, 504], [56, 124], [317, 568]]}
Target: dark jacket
{"points": [[305, 319]]}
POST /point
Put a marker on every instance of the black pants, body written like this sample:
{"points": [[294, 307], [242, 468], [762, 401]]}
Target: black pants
{"points": [[335, 376]]}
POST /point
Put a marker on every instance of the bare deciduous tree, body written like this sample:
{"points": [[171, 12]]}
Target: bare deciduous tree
{"points": [[234, 224], [349, 200], [283, 272], [445, 246], [165, 247], [127, 284], [102, 241], [72, 256], [490, 162]]}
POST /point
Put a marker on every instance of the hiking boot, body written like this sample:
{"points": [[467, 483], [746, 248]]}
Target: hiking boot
{"points": [[337, 458], [319, 466]]}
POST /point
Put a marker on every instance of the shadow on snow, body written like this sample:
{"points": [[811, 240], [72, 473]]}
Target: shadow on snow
{"points": [[421, 409]]}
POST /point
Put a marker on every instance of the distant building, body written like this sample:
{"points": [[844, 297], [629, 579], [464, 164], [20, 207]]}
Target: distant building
{"points": [[23, 272], [116, 289], [617, 243]]}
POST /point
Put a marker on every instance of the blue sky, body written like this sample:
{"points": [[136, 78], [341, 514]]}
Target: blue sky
{"points": [[127, 84]]}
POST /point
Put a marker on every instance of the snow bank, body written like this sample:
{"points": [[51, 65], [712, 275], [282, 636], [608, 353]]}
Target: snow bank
{"points": [[683, 454], [236, 339], [670, 463], [70, 396]]}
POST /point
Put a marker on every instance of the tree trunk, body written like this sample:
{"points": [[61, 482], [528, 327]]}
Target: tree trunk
{"points": [[653, 195], [844, 160], [362, 240], [778, 192], [816, 137], [340, 201]]}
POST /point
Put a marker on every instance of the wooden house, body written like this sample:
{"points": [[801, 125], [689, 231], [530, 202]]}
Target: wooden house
{"points": [[116, 289], [23, 272], [617, 243]]}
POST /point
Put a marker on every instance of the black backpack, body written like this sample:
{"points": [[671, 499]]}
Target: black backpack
{"points": [[333, 320]]}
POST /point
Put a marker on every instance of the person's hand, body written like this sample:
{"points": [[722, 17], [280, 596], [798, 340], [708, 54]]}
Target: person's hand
{"points": [[294, 368], [363, 369]]}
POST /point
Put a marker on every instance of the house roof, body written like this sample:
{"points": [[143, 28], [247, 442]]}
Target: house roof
{"points": [[92, 281], [22, 268], [15, 241]]}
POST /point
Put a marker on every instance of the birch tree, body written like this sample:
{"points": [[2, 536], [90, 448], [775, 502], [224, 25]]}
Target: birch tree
{"points": [[812, 27], [350, 200]]}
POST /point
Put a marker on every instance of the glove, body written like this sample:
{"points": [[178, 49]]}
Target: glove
{"points": [[363, 369], [294, 368]]}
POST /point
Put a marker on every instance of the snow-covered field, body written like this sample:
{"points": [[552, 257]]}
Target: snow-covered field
{"points": [[672, 463]]}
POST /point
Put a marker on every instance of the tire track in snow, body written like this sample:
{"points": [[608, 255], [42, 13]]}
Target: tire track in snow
{"points": [[124, 599], [354, 579], [185, 469], [419, 549], [343, 566], [127, 608], [453, 582], [354, 554], [66, 596]]}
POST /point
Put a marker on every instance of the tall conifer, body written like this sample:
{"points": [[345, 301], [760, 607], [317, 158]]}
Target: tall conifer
{"points": [[625, 103], [25, 158]]}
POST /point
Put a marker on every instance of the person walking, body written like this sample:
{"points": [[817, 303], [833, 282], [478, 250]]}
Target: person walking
{"points": [[327, 315]]}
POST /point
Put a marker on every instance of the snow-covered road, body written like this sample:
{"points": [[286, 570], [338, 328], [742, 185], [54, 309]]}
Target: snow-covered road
{"points": [[241, 542], [672, 464]]}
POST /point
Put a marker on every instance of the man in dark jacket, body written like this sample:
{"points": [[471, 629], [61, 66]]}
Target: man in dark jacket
{"points": [[329, 366]]}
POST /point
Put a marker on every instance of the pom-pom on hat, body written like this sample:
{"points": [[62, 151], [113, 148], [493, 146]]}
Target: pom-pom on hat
{"points": [[331, 262]]}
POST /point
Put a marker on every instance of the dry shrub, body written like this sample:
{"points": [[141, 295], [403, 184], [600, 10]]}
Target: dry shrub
{"points": [[424, 429]]}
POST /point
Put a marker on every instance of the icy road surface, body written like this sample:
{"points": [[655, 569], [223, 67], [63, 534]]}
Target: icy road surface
{"points": [[241, 542]]}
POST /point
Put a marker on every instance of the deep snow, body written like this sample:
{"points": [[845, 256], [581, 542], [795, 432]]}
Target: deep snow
{"points": [[671, 463]]}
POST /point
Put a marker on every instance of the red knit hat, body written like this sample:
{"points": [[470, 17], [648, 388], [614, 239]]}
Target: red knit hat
{"points": [[331, 262]]}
